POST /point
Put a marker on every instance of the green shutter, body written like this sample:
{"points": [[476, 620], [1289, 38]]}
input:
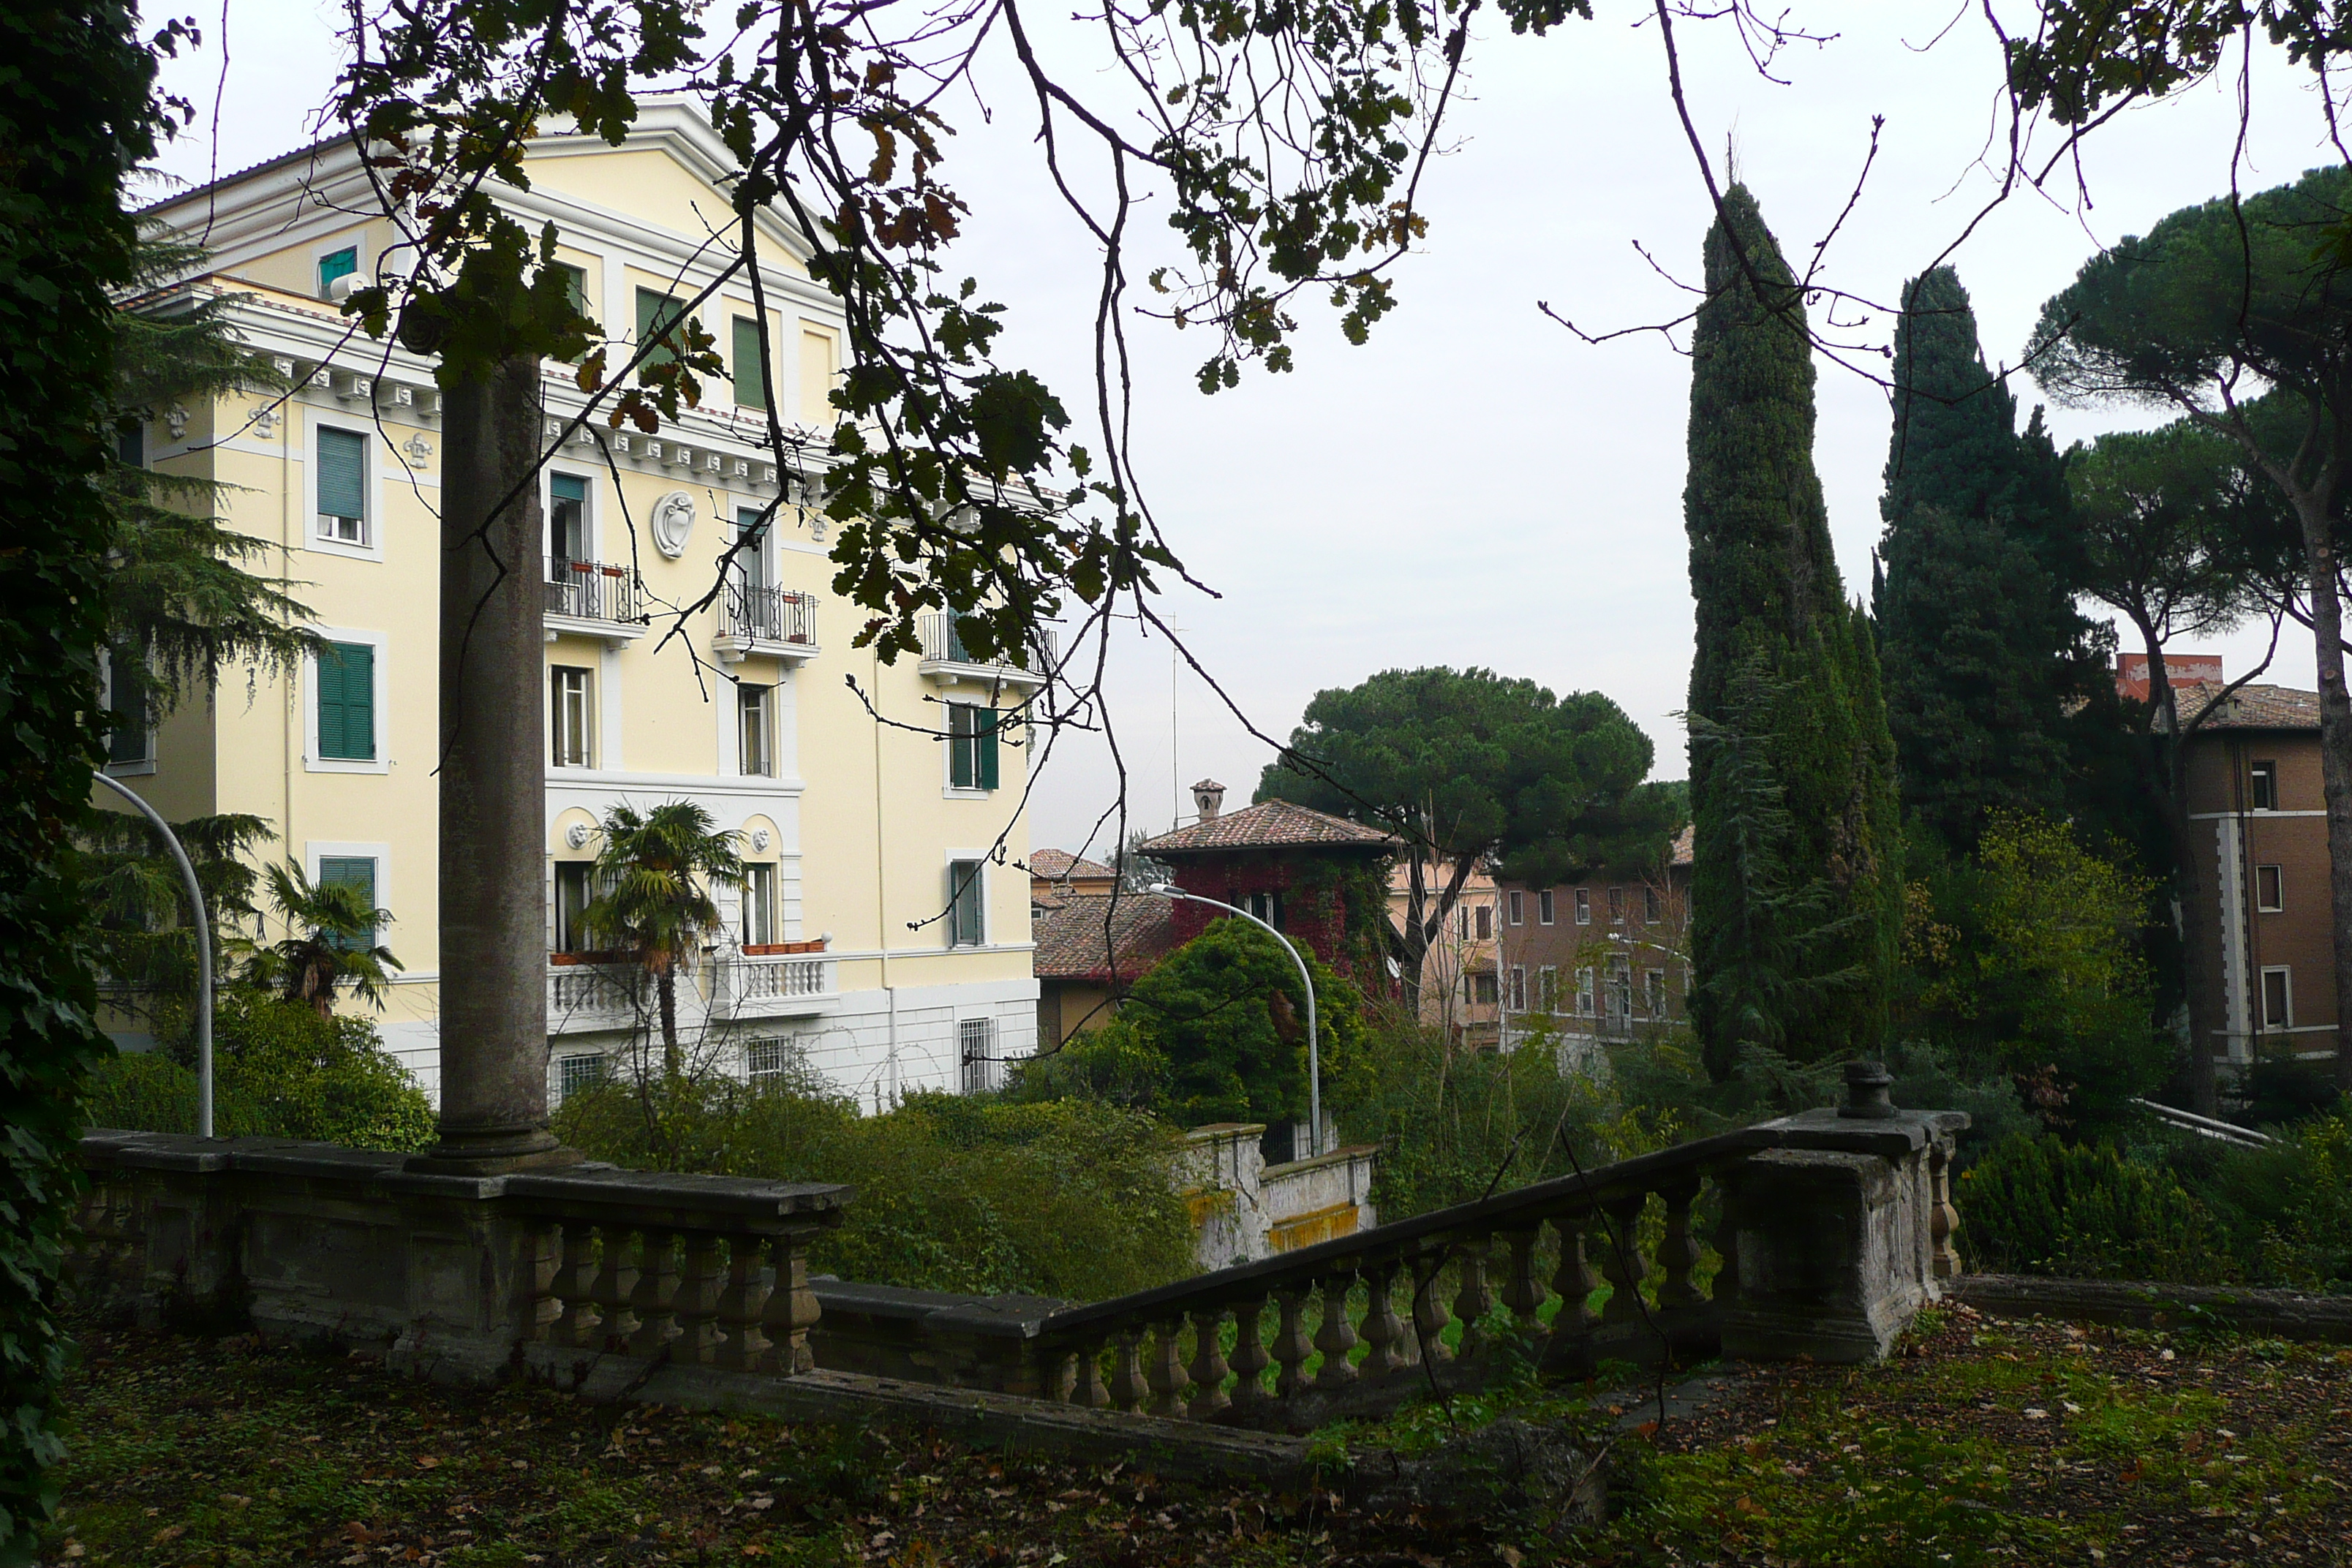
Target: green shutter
{"points": [[751, 366], [656, 314], [343, 474], [959, 746], [987, 746], [347, 702], [351, 871]]}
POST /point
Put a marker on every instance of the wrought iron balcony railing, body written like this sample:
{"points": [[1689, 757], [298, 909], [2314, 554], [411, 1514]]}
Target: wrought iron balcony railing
{"points": [[594, 591], [943, 643], [756, 615]]}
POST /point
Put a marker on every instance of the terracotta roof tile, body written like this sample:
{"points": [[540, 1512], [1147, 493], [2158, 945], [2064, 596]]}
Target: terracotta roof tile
{"points": [[1683, 842], [1071, 939], [1270, 824], [1061, 865], [2250, 707]]}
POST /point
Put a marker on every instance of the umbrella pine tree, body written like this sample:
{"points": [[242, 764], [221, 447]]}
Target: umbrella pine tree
{"points": [[1792, 931]]}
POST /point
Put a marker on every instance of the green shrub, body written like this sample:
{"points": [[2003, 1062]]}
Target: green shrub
{"points": [[1068, 1198], [2286, 1207], [150, 1092], [2036, 1205], [1227, 1012], [279, 1071], [1114, 1064]]}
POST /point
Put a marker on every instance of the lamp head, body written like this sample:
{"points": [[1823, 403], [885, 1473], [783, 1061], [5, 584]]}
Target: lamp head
{"points": [[1161, 889]]}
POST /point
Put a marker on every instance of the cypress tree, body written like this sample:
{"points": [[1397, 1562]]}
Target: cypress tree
{"points": [[1980, 643], [1796, 894]]}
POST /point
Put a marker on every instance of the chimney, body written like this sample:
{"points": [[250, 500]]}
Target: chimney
{"points": [[1209, 797]]}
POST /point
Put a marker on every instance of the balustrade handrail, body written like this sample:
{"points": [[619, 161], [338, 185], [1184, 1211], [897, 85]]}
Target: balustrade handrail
{"points": [[1504, 1211]]}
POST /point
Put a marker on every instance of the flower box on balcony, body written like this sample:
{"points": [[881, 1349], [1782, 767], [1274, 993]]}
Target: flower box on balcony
{"points": [[561, 958], [768, 949]]}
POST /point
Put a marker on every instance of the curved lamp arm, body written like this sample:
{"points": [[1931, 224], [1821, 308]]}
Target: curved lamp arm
{"points": [[204, 951]]}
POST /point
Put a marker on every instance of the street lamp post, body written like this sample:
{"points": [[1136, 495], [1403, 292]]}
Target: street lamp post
{"points": [[204, 952], [1314, 1052]]}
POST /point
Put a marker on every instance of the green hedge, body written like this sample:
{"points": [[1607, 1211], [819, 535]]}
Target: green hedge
{"points": [[280, 1071], [2036, 1205], [1068, 1198]]}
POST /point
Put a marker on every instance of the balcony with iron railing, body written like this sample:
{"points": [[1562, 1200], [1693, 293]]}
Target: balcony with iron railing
{"points": [[594, 598], [949, 659], [775, 623]]}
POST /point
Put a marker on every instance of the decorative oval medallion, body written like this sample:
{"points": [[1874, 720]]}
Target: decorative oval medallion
{"points": [[673, 523]]}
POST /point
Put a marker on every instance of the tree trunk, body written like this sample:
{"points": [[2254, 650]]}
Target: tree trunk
{"points": [[2200, 927], [665, 992], [493, 786], [2335, 751]]}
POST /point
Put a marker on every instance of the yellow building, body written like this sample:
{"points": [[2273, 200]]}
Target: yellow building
{"points": [[848, 950]]}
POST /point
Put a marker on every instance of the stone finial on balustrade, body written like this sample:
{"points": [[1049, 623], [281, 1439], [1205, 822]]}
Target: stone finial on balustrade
{"points": [[1869, 1093]]}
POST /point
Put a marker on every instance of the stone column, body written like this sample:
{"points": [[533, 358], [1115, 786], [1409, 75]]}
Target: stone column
{"points": [[493, 783]]}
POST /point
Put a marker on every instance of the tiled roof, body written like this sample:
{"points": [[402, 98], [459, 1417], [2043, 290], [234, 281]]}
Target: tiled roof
{"points": [[2250, 707], [1684, 842], [1270, 824], [1071, 939], [1061, 865]]}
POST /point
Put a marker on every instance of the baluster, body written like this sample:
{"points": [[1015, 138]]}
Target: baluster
{"points": [[1575, 1281], [615, 1282], [1620, 1259], [1209, 1367], [653, 1300], [1384, 1334], [1291, 1345], [1165, 1369], [696, 1304], [1250, 1358], [1430, 1315], [575, 1275], [1677, 1251], [1085, 1385], [1127, 1386], [1943, 1219], [742, 1306], [792, 1310], [1522, 1292], [1334, 1336], [1473, 1300]]}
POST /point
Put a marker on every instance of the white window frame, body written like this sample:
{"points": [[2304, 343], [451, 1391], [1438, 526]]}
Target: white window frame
{"points": [[1654, 993], [555, 716], [554, 901], [1585, 997], [1518, 993], [980, 893], [2267, 767], [948, 789], [564, 1087], [1486, 917], [1654, 905], [312, 762], [317, 850], [353, 240], [1548, 988], [1519, 906], [1547, 908], [982, 1030], [766, 707], [2263, 999], [590, 513], [790, 1056], [765, 899], [371, 546], [1584, 906], [2278, 876]]}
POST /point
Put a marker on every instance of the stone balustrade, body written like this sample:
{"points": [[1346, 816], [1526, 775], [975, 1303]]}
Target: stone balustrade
{"points": [[454, 1276], [1827, 1231]]}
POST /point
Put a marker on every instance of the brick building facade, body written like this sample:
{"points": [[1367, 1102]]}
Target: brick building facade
{"points": [[1603, 959], [2260, 820]]}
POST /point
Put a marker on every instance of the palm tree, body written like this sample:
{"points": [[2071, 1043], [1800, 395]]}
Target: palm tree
{"points": [[330, 942], [653, 901]]}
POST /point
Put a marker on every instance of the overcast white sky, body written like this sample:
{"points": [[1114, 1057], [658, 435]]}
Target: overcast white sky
{"points": [[1474, 487]]}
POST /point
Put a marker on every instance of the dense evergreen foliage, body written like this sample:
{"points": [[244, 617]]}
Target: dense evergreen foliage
{"points": [[1977, 632], [1467, 767], [1797, 893], [76, 115]]}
